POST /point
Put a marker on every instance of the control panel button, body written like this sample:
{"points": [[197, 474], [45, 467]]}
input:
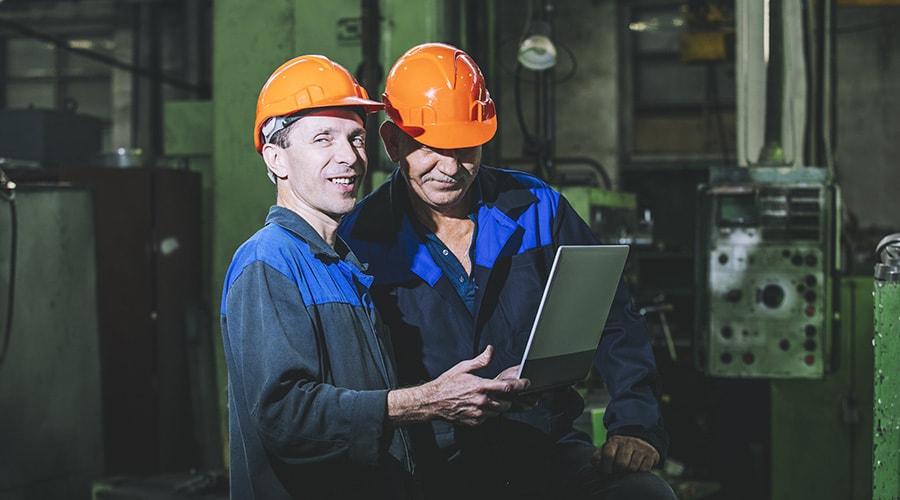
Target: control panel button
{"points": [[772, 296]]}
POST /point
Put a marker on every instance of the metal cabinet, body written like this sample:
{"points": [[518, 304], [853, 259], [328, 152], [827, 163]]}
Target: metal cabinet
{"points": [[51, 421], [147, 237], [147, 223]]}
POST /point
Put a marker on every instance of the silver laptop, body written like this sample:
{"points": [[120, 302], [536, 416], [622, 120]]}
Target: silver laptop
{"points": [[572, 314]]}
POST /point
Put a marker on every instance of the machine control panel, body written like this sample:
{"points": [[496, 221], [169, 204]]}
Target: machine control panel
{"points": [[766, 280]]}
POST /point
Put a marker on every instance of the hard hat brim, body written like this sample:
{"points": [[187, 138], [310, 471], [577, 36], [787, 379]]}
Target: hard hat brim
{"points": [[453, 135], [368, 106]]}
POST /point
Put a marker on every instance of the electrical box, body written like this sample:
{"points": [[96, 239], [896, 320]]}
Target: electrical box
{"points": [[764, 272]]}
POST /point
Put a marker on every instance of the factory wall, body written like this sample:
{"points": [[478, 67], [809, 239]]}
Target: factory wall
{"points": [[867, 106]]}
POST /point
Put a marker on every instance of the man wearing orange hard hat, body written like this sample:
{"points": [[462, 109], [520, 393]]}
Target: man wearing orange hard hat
{"points": [[315, 411], [460, 253]]}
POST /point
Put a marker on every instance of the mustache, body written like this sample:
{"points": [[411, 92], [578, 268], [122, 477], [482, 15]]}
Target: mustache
{"points": [[438, 176]]}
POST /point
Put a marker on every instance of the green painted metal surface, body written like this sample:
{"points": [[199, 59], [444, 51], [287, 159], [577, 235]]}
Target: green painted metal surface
{"points": [[821, 429], [407, 24], [187, 128], [582, 198], [886, 430], [331, 28], [251, 39]]}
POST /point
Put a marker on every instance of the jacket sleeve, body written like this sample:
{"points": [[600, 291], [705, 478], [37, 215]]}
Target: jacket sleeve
{"points": [[624, 357], [278, 369]]}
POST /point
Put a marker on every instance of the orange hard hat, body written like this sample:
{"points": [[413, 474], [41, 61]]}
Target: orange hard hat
{"points": [[436, 93], [308, 82]]}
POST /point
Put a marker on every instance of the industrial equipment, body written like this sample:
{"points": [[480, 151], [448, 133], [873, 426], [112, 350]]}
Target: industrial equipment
{"points": [[709, 32], [48, 136], [52, 426], [145, 237], [886, 427], [766, 259], [612, 215]]}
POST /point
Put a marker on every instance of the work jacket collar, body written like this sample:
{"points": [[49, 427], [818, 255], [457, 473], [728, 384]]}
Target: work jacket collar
{"points": [[292, 222], [499, 190]]}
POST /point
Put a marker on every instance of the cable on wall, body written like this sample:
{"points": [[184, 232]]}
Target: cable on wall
{"points": [[8, 194]]}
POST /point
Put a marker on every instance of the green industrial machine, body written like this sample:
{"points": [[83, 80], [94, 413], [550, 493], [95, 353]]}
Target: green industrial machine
{"points": [[773, 305], [765, 268], [821, 429], [886, 420], [612, 215]]}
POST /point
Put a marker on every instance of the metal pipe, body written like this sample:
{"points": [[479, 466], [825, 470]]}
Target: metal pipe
{"points": [[370, 76], [548, 106]]}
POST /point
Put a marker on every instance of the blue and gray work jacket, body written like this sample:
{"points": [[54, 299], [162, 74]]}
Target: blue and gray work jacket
{"points": [[309, 368]]}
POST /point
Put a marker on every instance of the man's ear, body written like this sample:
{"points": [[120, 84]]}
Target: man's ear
{"points": [[390, 137], [275, 161]]}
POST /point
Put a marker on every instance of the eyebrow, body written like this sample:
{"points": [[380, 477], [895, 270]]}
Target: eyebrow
{"points": [[332, 130]]}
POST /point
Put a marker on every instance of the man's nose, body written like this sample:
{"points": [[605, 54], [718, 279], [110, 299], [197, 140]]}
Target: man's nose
{"points": [[346, 153], [448, 156]]}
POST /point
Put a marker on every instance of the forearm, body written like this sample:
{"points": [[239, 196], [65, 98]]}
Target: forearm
{"points": [[411, 405], [464, 399], [468, 403]]}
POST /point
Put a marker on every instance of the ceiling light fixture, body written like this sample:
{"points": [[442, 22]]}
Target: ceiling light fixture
{"points": [[537, 51]]}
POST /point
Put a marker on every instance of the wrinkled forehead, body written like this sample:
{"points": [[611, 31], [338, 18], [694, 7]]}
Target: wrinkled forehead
{"points": [[333, 120], [354, 114], [334, 117]]}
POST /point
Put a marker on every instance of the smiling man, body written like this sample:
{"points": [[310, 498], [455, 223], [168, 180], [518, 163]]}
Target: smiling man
{"points": [[314, 408]]}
